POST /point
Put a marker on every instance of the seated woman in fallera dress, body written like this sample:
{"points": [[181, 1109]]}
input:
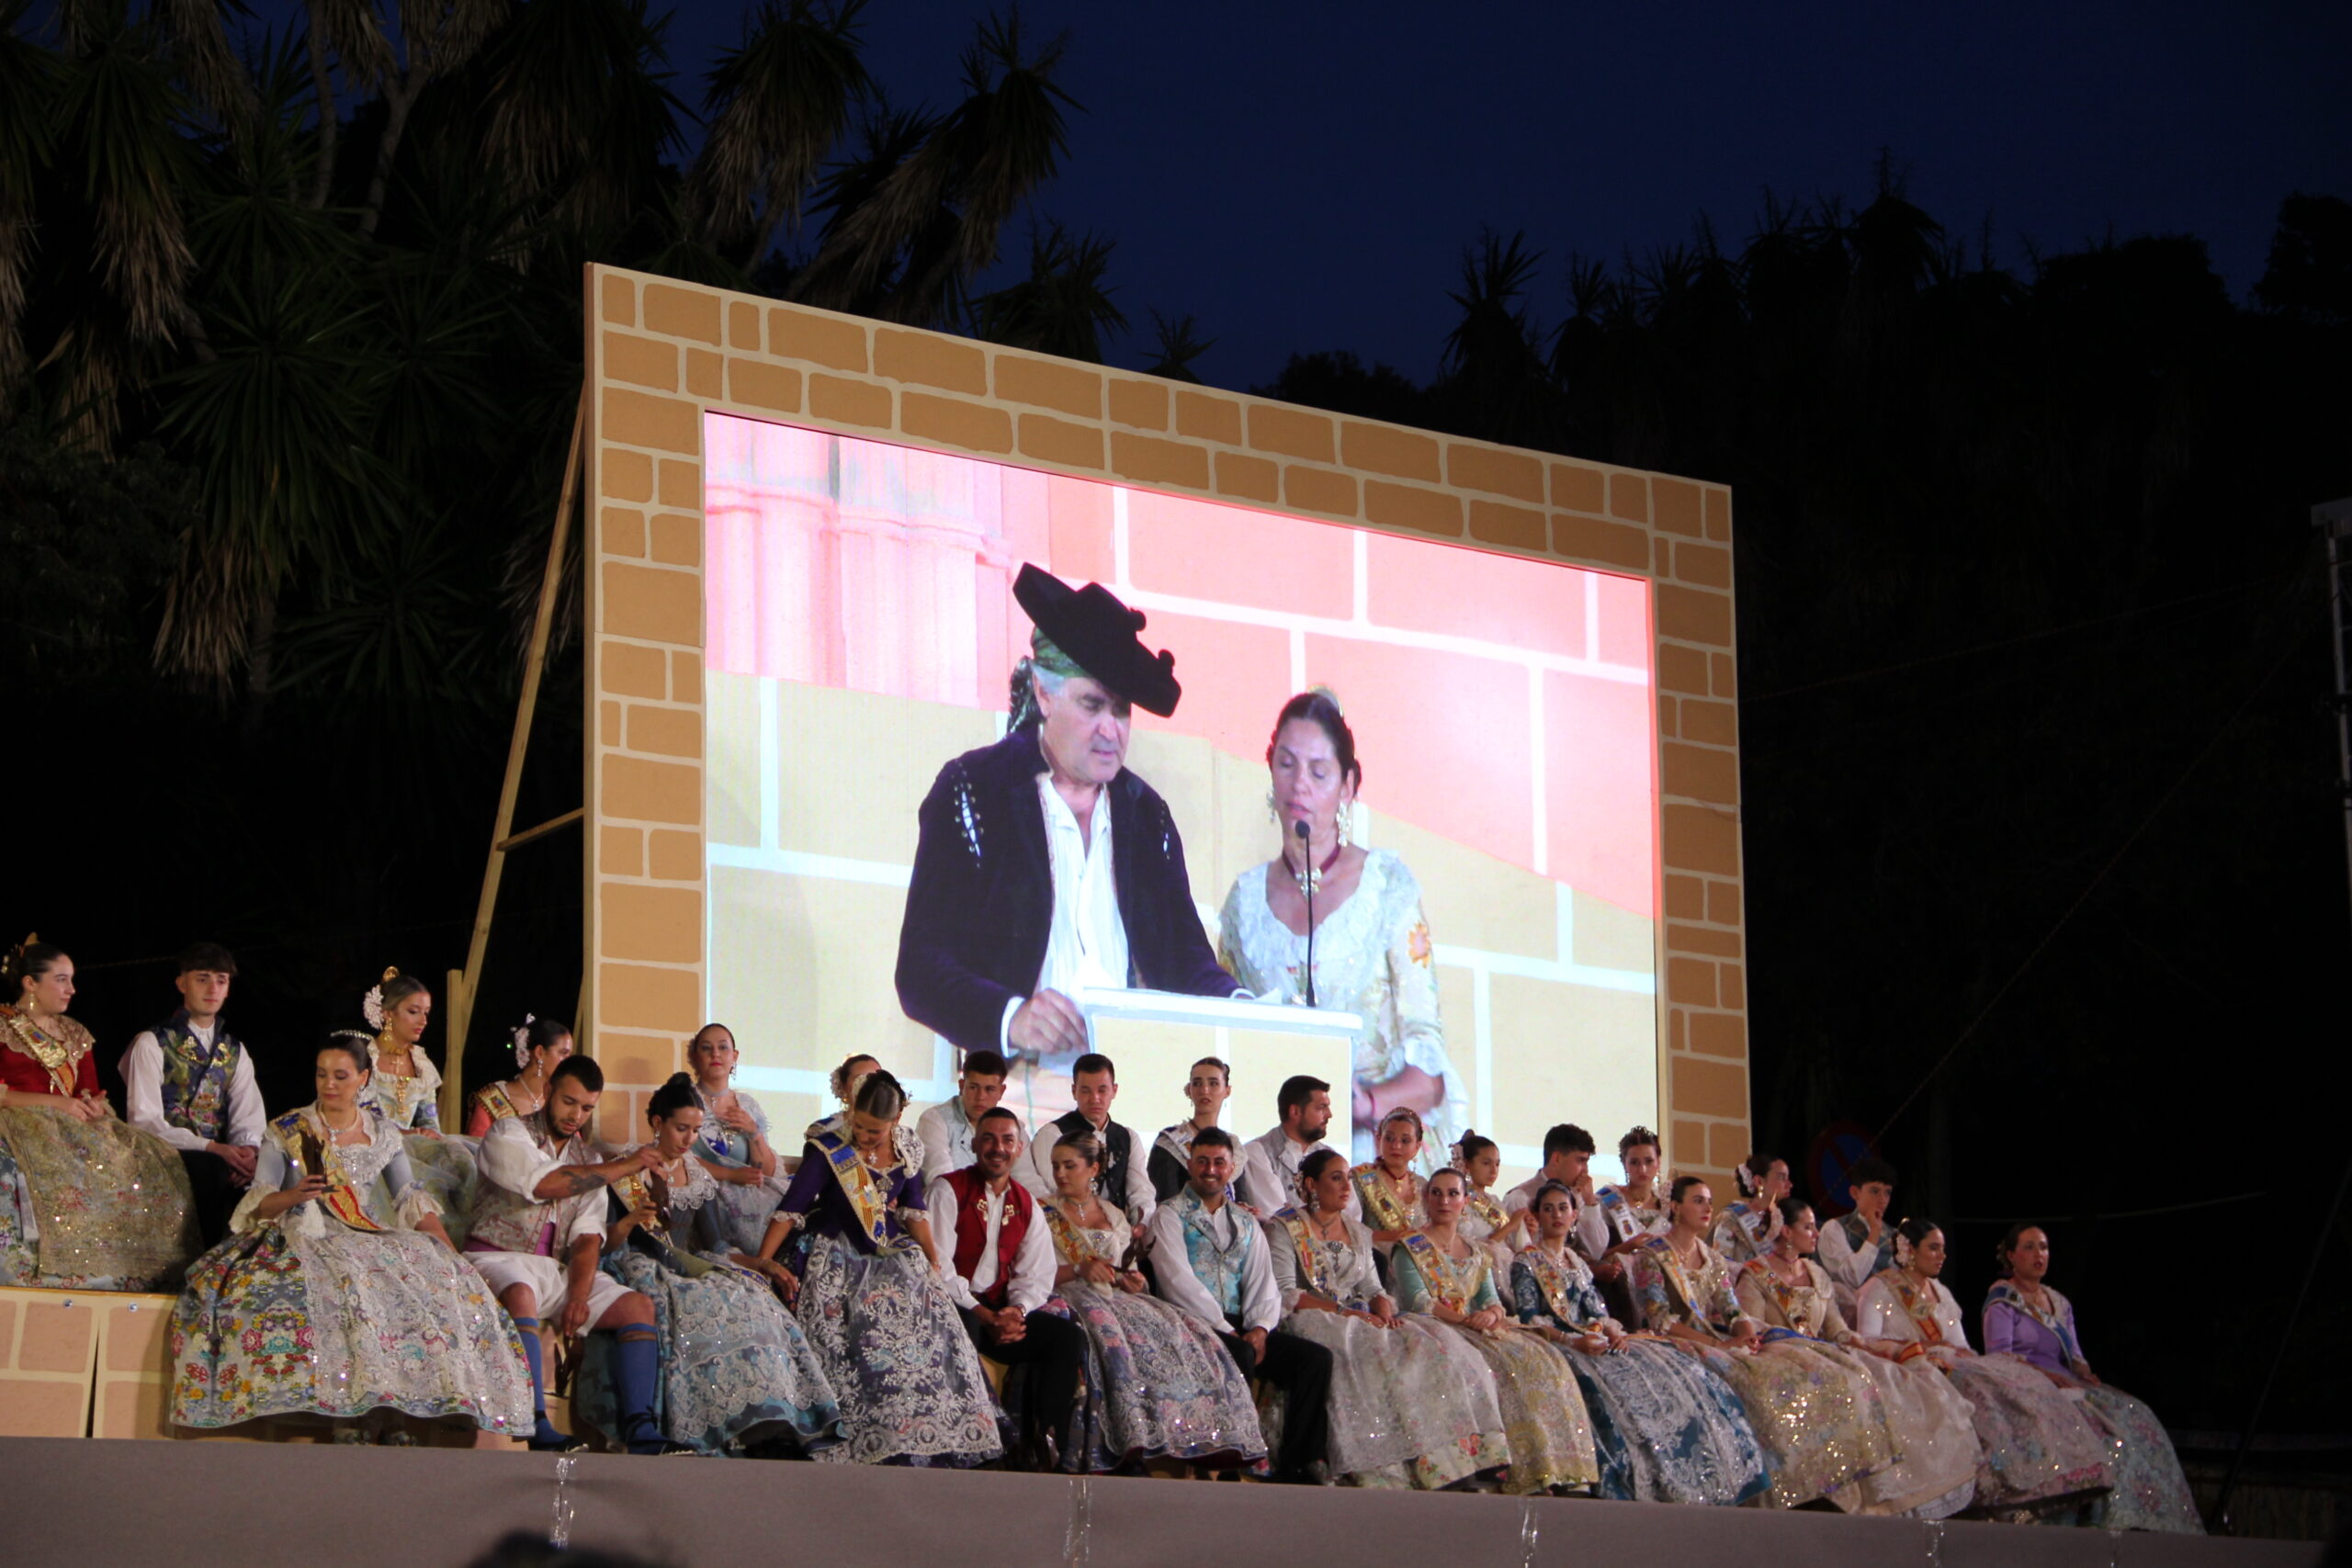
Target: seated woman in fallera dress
{"points": [[539, 1044], [885, 1332], [1439, 1274], [406, 1085], [1668, 1428], [844, 1081], [1746, 1227], [1935, 1473], [1820, 1422], [338, 1295], [1388, 1187], [2039, 1451], [1484, 1220], [1411, 1405], [737, 1372], [733, 1145], [1373, 952], [2025, 1317], [87, 1202], [1160, 1384]]}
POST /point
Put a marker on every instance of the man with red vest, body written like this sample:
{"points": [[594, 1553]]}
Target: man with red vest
{"points": [[1001, 1273]]}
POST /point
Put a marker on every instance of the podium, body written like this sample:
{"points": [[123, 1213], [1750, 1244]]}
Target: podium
{"points": [[1156, 1036]]}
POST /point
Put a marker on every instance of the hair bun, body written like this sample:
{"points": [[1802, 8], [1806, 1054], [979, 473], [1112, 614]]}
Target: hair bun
{"points": [[679, 1080]]}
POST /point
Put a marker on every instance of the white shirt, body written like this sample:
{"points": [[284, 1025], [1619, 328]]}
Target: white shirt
{"points": [[1172, 1276], [142, 1085], [1879, 1314], [1087, 944], [947, 1139], [1032, 1266], [1035, 1172], [1594, 1236], [513, 1163], [1269, 1177]]}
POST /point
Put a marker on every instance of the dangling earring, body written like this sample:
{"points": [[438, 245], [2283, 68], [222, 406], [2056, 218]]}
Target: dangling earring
{"points": [[1347, 824], [1271, 815]]}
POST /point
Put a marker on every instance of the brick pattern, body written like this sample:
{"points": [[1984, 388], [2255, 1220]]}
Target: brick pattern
{"points": [[661, 352]]}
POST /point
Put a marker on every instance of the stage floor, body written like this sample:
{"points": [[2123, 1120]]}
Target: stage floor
{"points": [[200, 1504]]}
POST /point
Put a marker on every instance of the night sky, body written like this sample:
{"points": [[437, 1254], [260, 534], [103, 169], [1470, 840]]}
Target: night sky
{"points": [[1302, 176]]}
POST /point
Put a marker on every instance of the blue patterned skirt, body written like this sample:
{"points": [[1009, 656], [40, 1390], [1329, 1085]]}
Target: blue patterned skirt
{"points": [[888, 1341]]}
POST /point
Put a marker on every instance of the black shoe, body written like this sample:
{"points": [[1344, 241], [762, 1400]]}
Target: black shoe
{"points": [[562, 1443]]}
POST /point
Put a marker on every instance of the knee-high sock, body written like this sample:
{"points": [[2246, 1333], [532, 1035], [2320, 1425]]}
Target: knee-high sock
{"points": [[543, 1430], [637, 1374]]}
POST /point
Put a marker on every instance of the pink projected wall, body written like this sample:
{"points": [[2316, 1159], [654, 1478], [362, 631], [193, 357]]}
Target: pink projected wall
{"points": [[1501, 702]]}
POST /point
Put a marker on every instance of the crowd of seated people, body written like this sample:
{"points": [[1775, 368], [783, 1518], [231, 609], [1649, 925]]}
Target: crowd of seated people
{"points": [[960, 1292]]}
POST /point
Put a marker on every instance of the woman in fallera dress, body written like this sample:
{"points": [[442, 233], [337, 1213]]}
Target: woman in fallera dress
{"points": [[734, 1144], [2025, 1317], [1160, 1384], [1668, 1428], [737, 1372], [1934, 1473], [1412, 1405], [1373, 952], [406, 1085], [2038, 1448], [1388, 1187], [87, 1202], [1483, 1219], [539, 1044], [1820, 1422], [1438, 1273], [1746, 1227], [870, 1301], [338, 1295]]}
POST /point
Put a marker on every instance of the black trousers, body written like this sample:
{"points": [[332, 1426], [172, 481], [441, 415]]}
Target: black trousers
{"points": [[1053, 1349], [1302, 1370], [216, 1200]]}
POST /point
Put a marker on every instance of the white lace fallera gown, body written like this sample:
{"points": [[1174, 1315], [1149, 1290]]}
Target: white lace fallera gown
{"points": [[1373, 956]]}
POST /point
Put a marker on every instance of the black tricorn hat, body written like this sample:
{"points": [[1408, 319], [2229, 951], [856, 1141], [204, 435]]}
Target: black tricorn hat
{"points": [[1098, 631]]}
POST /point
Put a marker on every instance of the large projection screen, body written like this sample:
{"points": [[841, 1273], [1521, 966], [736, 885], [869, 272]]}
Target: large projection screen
{"points": [[859, 627], [802, 529]]}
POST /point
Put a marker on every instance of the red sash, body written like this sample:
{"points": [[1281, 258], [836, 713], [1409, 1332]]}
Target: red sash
{"points": [[971, 1228]]}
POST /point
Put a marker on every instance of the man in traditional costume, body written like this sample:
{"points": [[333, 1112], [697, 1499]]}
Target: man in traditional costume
{"points": [[1211, 1260], [1000, 1272], [190, 1082], [1124, 1180], [538, 1233], [946, 1132], [1268, 1178], [1043, 865]]}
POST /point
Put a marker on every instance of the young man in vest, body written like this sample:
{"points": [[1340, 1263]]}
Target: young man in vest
{"points": [[947, 1131], [1212, 1263], [1126, 1178], [1000, 1273], [1269, 1179], [189, 1082], [538, 1234]]}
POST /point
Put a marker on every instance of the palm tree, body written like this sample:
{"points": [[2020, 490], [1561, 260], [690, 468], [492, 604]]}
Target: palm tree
{"points": [[777, 104], [1062, 307]]}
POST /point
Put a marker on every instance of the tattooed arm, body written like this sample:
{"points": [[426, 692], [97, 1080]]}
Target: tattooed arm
{"points": [[571, 1180]]}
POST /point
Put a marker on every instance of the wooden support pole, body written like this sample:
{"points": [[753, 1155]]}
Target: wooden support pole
{"points": [[464, 984]]}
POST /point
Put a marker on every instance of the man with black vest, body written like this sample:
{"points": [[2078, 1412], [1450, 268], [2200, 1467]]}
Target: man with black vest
{"points": [[1000, 1273], [1125, 1177], [189, 1082]]}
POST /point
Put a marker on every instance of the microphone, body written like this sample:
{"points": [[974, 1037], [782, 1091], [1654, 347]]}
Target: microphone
{"points": [[1306, 858]]}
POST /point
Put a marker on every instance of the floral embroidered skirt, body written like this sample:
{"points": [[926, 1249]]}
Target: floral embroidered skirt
{"points": [[735, 1367], [91, 1205], [1666, 1427], [2150, 1493], [1820, 1422], [1159, 1385], [2038, 1444], [1412, 1405], [275, 1322], [888, 1341]]}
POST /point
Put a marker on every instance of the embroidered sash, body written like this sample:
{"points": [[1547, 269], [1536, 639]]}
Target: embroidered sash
{"points": [[1920, 1305], [2056, 1318], [1075, 1245], [1555, 1278], [1660, 1252], [1783, 1296], [494, 1099], [341, 1199], [1486, 1209], [1314, 1263], [1450, 1283], [1382, 1207], [859, 1184]]}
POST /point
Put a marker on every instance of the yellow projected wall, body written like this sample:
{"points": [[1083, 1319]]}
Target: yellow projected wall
{"points": [[661, 355]]}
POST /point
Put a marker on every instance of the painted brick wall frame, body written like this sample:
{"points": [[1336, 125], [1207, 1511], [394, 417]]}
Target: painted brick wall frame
{"points": [[661, 352]]}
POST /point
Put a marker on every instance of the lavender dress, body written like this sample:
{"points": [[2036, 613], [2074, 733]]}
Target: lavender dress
{"points": [[2150, 1493]]}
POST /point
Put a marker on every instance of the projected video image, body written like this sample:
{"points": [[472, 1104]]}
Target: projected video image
{"points": [[862, 630]]}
